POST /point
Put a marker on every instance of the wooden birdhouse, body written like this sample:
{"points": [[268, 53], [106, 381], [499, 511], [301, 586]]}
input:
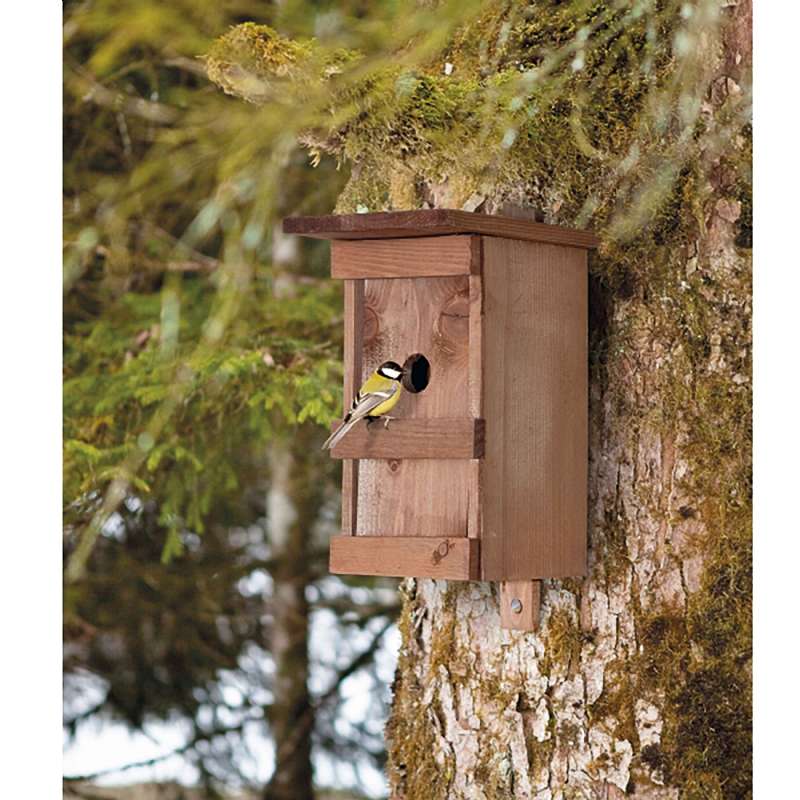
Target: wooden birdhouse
{"points": [[482, 475]]}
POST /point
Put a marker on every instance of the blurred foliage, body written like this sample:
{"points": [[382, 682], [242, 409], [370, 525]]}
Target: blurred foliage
{"points": [[172, 194], [196, 340], [176, 353], [274, 366], [164, 651]]}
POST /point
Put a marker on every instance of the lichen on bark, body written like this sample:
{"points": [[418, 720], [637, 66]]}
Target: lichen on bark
{"points": [[631, 118]]}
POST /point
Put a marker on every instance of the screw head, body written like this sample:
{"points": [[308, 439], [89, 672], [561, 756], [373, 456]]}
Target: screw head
{"points": [[516, 605]]}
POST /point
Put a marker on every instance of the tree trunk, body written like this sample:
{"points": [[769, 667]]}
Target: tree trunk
{"points": [[294, 500], [638, 682]]}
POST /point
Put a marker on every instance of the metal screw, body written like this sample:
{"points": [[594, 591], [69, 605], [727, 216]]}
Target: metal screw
{"points": [[516, 605]]}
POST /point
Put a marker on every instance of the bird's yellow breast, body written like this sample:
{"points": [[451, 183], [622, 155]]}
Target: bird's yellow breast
{"points": [[386, 406], [377, 383]]}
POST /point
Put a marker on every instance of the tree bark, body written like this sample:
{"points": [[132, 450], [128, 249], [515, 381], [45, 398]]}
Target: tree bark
{"points": [[638, 682]]}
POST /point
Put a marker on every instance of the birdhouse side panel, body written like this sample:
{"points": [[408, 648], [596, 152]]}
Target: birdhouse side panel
{"points": [[535, 395]]}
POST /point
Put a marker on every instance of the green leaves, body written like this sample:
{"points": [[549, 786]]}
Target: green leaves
{"points": [[180, 427], [173, 546]]}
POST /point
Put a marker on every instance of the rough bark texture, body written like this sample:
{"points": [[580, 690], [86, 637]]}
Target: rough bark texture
{"points": [[638, 682]]}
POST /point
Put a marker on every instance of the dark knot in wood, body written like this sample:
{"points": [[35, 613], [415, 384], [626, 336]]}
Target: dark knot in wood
{"points": [[372, 325], [453, 322], [441, 552]]}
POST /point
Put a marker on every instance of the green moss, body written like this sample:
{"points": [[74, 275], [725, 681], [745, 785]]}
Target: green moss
{"points": [[496, 694], [248, 59], [709, 725], [696, 668], [255, 62], [615, 706], [695, 665], [540, 753], [260, 49], [493, 774], [412, 743], [563, 640], [613, 545], [444, 640], [412, 746]]}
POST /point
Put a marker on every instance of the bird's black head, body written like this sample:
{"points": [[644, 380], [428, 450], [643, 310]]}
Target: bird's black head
{"points": [[391, 370]]}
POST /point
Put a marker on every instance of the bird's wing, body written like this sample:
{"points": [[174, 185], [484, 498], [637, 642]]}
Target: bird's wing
{"points": [[364, 403], [361, 408]]}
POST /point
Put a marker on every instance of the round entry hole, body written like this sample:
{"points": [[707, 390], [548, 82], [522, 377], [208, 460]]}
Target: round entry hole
{"points": [[416, 373]]}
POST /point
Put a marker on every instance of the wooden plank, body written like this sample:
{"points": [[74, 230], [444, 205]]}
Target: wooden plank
{"points": [[475, 386], [519, 605], [413, 438], [475, 334], [353, 368], [418, 497], [475, 499], [406, 258], [434, 222], [454, 559], [535, 402]]}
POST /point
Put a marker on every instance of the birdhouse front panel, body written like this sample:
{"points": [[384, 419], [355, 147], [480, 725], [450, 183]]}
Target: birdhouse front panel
{"points": [[403, 316], [482, 472]]}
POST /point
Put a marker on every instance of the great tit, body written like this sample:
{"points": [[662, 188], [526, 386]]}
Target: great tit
{"points": [[378, 396]]}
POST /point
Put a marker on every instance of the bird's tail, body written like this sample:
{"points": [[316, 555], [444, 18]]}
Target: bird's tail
{"points": [[334, 438]]}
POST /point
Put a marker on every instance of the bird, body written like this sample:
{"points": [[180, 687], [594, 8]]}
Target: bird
{"points": [[377, 396]]}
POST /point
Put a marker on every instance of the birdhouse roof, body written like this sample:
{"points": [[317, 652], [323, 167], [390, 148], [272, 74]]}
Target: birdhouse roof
{"points": [[435, 222]]}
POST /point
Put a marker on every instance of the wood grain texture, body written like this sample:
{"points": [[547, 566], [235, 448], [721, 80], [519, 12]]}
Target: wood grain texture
{"points": [[535, 402], [406, 258], [454, 559], [434, 222], [353, 368], [475, 385], [414, 438], [529, 595], [420, 497]]}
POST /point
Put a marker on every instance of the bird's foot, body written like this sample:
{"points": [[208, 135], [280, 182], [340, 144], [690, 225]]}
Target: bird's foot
{"points": [[386, 421]]}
